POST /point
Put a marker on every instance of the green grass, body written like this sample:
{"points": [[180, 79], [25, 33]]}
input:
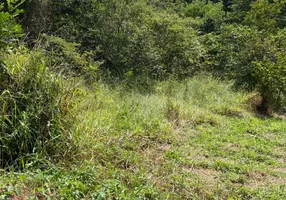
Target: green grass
{"points": [[194, 139], [30, 108]]}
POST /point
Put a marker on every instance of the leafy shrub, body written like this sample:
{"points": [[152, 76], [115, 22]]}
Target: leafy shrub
{"points": [[177, 45], [132, 37], [239, 10], [254, 59], [210, 15], [271, 76], [265, 14], [65, 58]]}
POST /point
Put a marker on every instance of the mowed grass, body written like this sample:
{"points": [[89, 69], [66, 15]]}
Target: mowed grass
{"points": [[194, 139]]}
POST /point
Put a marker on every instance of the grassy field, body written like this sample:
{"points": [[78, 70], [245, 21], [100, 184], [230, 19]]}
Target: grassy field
{"points": [[195, 139]]}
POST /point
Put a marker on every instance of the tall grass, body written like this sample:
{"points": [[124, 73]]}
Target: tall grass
{"points": [[31, 102], [190, 139], [106, 114]]}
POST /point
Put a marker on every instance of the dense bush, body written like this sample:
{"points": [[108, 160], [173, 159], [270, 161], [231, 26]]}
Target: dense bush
{"points": [[132, 36], [156, 39], [271, 77], [253, 58], [252, 52], [266, 15], [209, 15], [64, 57]]}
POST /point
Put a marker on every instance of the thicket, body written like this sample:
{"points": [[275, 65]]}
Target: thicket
{"points": [[129, 40], [240, 40]]}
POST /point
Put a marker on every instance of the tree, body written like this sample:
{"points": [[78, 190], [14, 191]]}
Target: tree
{"points": [[36, 19], [239, 9], [265, 15], [130, 37]]}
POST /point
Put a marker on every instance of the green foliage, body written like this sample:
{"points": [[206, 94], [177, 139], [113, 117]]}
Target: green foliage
{"points": [[9, 29], [134, 37], [252, 53], [239, 10], [123, 36], [176, 44], [210, 15], [265, 14], [75, 21], [271, 76], [64, 57], [31, 101], [245, 54], [13, 5], [160, 38]]}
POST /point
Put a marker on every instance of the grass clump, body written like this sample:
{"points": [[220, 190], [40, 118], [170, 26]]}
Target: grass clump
{"points": [[31, 106]]}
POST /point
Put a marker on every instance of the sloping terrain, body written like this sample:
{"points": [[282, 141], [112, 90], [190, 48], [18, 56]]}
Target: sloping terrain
{"points": [[195, 139]]}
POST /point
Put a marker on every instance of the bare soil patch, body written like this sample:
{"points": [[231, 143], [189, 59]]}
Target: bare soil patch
{"points": [[258, 179], [209, 176]]}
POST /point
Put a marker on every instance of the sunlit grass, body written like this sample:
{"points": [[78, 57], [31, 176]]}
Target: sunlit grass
{"points": [[193, 139]]}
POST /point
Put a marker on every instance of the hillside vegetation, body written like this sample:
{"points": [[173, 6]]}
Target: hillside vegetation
{"points": [[143, 99]]}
